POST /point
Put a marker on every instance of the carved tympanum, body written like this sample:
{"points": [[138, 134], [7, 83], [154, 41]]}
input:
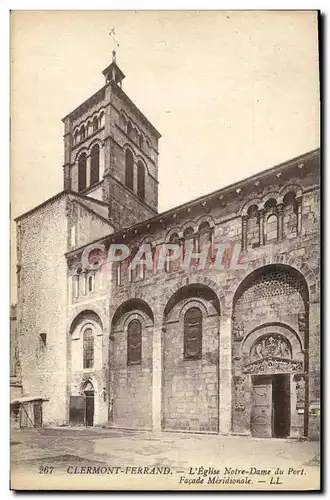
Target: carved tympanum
{"points": [[271, 346]]}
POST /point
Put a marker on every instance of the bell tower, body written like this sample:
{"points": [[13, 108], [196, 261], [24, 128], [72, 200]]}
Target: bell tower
{"points": [[111, 152]]}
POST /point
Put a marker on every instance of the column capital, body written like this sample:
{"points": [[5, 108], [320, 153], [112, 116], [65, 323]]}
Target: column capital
{"points": [[279, 207]]}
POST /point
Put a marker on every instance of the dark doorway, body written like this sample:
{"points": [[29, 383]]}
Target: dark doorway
{"points": [[89, 408], [281, 406], [37, 414]]}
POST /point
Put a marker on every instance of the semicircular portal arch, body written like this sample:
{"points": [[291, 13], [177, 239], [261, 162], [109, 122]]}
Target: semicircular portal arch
{"points": [[269, 349]]}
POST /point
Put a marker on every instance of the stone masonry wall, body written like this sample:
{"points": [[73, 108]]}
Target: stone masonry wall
{"points": [[131, 385], [42, 302], [190, 387]]}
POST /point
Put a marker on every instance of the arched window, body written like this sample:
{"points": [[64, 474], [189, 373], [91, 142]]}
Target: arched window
{"points": [[82, 172], [188, 236], [173, 265], [95, 164], [136, 270], [134, 343], [140, 180], [252, 230], [193, 334], [82, 133], [290, 216], [141, 141], [102, 119], [271, 230], [95, 124], [76, 137], [129, 129], [88, 348], [204, 236], [129, 162]]}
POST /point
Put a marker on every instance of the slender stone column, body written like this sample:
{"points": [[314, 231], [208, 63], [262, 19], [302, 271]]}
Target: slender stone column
{"points": [[262, 227], [299, 215], [157, 367], [88, 170], [101, 172], [279, 210], [212, 243], [244, 232], [225, 378]]}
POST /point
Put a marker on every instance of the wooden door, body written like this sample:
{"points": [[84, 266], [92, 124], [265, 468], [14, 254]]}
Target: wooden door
{"points": [[37, 414], [261, 413], [89, 412]]}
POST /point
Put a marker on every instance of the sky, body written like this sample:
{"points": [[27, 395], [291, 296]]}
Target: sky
{"points": [[232, 93]]}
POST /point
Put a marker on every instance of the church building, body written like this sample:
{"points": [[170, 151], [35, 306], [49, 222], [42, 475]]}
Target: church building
{"points": [[229, 349]]}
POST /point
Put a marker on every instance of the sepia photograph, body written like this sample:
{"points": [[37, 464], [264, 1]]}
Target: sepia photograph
{"points": [[165, 250]]}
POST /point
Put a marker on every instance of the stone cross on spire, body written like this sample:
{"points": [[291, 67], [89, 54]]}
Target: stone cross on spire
{"points": [[113, 73], [112, 34]]}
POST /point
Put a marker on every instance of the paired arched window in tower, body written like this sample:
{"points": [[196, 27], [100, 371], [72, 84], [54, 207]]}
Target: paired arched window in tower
{"points": [[129, 168], [76, 137], [193, 334], [129, 129], [82, 133], [102, 119], [134, 342], [95, 164], [95, 124], [88, 341], [82, 164], [140, 180]]}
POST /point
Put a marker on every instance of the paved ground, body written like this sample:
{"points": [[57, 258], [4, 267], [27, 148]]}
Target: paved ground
{"points": [[180, 456]]}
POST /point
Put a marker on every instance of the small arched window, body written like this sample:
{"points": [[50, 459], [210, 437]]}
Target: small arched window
{"points": [[134, 343], [141, 141], [95, 124], [129, 163], [204, 235], [188, 236], [271, 228], [82, 132], [173, 257], [76, 137], [129, 129], [134, 268], [193, 334], [140, 180], [290, 216], [252, 230], [95, 164], [88, 348], [82, 172]]}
